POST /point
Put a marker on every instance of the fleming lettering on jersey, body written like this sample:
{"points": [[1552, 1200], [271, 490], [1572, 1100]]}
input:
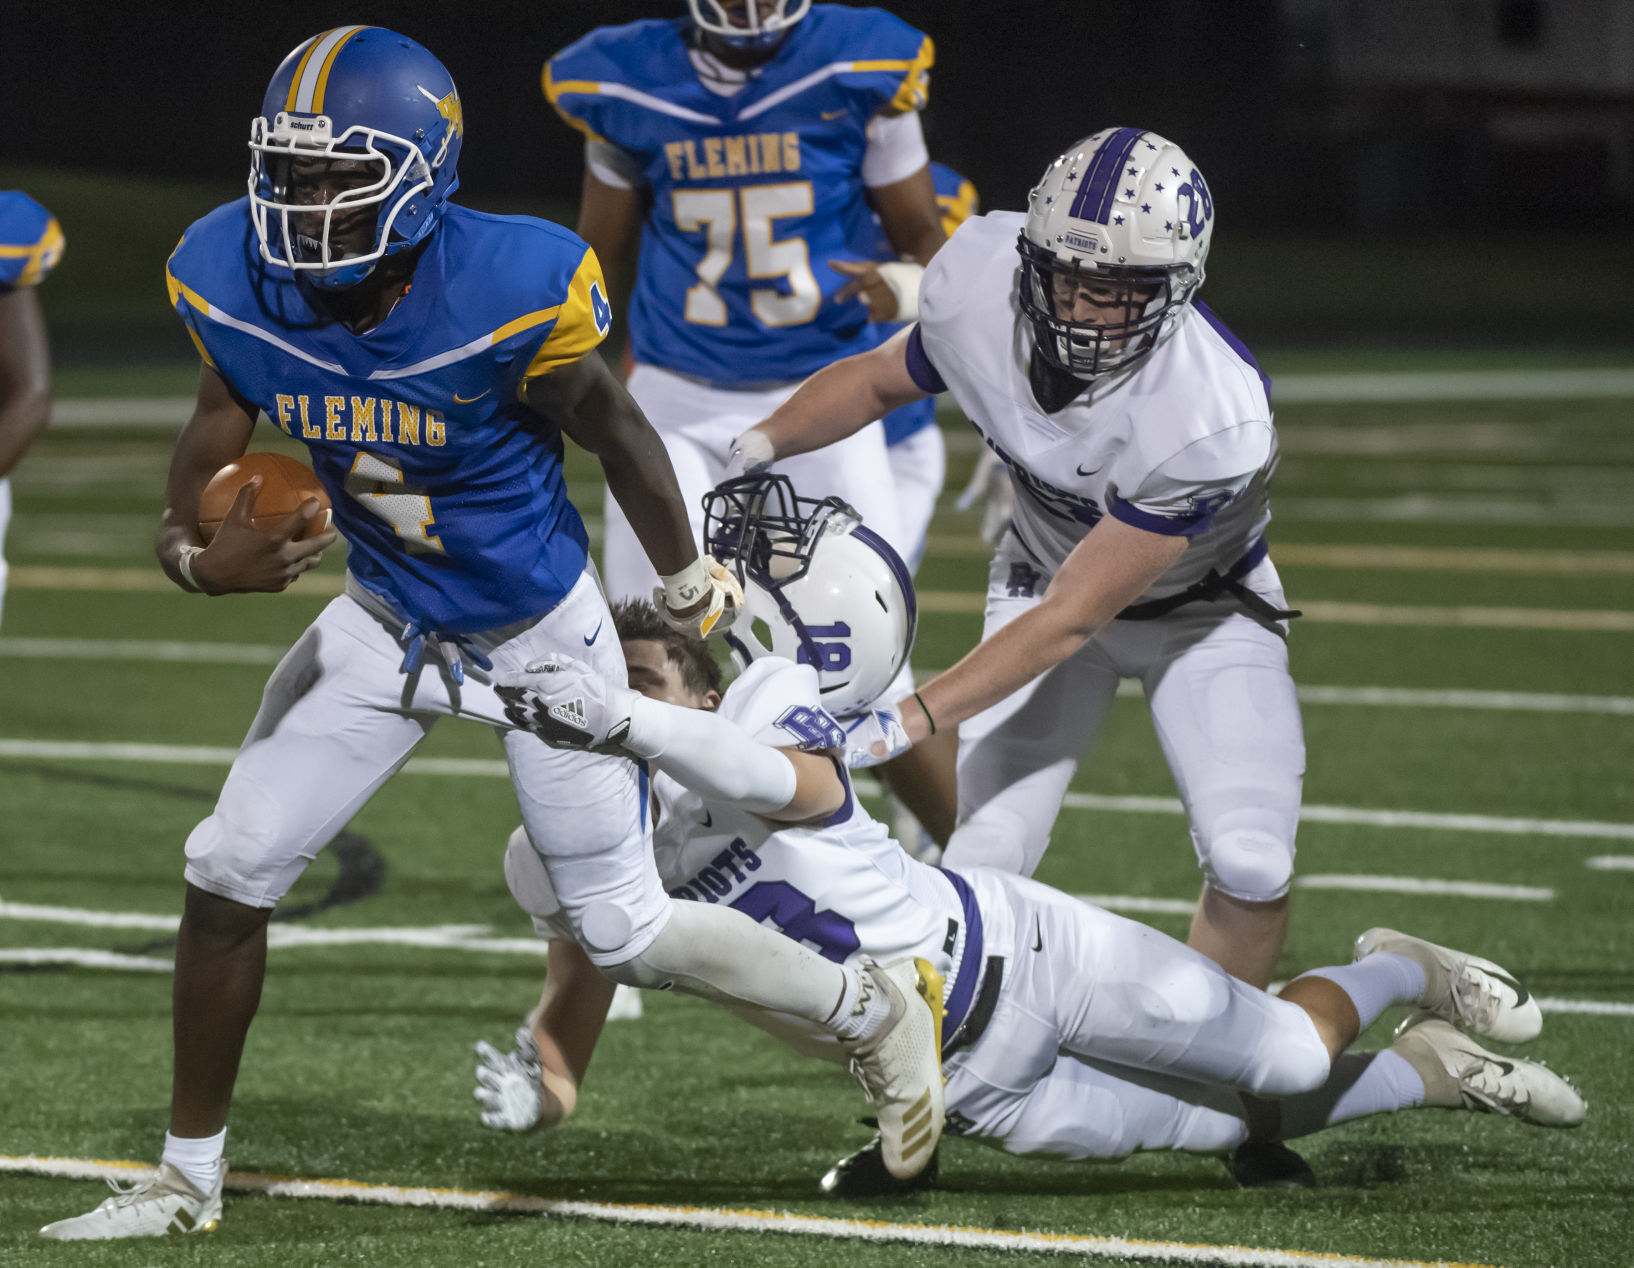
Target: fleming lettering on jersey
{"points": [[717, 157], [368, 418]]}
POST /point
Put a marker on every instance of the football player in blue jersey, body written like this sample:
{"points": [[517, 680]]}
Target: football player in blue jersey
{"points": [[431, 358], [31, 243], [745, 148]]}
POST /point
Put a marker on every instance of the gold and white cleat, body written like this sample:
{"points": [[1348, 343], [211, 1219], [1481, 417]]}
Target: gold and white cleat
{"points": [[167, 1203], [900, 1065]]}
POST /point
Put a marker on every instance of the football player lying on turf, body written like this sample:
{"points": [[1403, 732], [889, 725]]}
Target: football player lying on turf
{"points": [[1069, 1031]]}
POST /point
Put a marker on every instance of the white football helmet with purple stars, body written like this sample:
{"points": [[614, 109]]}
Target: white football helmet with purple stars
{"points": [[1123, 220]]}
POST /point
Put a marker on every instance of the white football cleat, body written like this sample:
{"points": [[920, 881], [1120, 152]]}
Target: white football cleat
{"points": [[168, 1203], [1460, 1074], [900, 1065], [1471, 993]]}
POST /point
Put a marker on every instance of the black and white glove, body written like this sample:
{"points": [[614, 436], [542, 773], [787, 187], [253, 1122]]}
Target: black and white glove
{"points": [[508, 1085], [874, 737], [567, 704]]}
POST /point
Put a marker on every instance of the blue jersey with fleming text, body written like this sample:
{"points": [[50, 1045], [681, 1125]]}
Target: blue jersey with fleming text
{"points": [[448, 489], [31, 241], [752, 194], [956, 199]]}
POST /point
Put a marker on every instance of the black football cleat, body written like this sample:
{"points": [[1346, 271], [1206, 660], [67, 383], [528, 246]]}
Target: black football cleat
{"points": [[863, 1175], [1269, 1164]]}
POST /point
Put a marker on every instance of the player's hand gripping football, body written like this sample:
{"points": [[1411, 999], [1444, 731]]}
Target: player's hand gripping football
{"points": [[566, 704], [242, 558]]}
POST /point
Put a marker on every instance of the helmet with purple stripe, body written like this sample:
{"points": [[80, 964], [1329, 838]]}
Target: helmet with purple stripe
{"points": [[1113, 249], [820, 588]]}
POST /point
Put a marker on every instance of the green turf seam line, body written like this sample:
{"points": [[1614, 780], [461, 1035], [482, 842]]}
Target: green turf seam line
{"points": [[713, 1219]]}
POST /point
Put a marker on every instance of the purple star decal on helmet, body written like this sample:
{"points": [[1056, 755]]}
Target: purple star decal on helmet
{"points": [[1150, 146], [1146, 207], [1117, 220], [1168, 225], [1128, 193], [1159, 189], [1175, 170], [1134, 171]]}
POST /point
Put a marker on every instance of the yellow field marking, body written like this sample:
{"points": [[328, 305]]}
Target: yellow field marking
{"points": [[721, 1219]]}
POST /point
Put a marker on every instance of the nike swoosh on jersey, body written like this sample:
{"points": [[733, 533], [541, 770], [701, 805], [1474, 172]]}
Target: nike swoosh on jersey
{"points": [[591, 637], [1038, 935], [466, 400], [832, 114], [709, 818], [1081, 471]]}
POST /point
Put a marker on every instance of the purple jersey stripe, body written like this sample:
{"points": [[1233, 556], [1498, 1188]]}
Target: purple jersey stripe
{"points": [[1168, 525], [1094, 201], [920, 370]]}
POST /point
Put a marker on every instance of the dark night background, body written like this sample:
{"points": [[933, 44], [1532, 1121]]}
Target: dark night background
{"points": [[1435, 139]]}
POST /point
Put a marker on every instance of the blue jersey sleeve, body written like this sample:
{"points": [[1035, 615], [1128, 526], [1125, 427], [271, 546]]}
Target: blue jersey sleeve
{"points": [[31, 241]]}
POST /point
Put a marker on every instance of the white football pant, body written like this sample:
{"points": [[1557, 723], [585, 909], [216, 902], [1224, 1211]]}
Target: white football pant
{"points": [[1225, 712], [1110, 1037]]}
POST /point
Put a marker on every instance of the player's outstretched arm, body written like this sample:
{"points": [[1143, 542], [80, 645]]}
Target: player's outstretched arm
{"points": [[25, 374], [536, 1085], [594, 409], [1107, 571], [838, 401], [241, 558]]}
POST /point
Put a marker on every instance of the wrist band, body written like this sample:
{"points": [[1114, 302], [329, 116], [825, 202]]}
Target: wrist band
{"points": [[184, 565], [926, 712], [902, 278], [686, 587]]}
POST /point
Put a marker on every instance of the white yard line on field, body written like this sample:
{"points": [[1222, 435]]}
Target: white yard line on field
{"points": [[1611, 863], [183, 652], [198, 755], [723, 1219]]}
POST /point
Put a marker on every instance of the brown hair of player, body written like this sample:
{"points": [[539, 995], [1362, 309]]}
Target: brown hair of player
{"points": [[637, 620]]}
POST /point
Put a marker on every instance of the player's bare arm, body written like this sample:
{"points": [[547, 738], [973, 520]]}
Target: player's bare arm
{"points": [[25, 375], [591, 406], [912, 222], [566, 1026], [838, 401], [1108, 570], [240, 558], [610, 221]]}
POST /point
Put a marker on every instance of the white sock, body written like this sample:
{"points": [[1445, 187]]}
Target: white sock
{"points": [[197, 1157], [862, 1010], [1362, 1083], [1376, 983]]}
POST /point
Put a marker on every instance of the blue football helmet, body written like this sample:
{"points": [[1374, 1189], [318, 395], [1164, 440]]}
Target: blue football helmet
{"points": [[384, 107], [1117, 230], [760, 25], [821, 588]]}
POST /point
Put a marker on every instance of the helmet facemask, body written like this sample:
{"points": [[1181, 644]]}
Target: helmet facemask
{"points": [[750, 26], [374, 174], [1090, 320]]}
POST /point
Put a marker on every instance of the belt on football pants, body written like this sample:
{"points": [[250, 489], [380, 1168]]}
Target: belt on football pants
{"points": [[981, 1012], [1216, 585]]}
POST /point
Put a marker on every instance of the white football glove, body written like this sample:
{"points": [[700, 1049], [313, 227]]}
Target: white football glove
{"points": [[566, 704], [508, 1084], [990, 485], [751, 453], [714, 617], [874, 737]]}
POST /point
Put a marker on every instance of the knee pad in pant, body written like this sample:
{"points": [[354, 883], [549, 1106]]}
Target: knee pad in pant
{"points": [[992, 837], [1247, 863]]}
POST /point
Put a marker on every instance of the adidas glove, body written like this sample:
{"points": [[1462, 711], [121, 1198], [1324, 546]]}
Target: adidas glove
{"points": [[567, 704], [508, 1084]]}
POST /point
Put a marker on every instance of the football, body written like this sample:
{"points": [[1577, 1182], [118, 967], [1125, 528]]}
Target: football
{"points": [[285, 484]]}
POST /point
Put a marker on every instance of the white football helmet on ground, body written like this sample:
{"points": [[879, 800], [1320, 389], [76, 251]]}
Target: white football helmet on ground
{"points": [[820, 588], [1113, 249]]}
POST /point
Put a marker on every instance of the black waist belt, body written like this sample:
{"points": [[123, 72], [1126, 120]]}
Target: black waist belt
{"points": [[981, 1012], [1214, 586]]}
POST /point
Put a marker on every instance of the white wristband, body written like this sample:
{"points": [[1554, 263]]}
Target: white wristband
{"points": [[685, 588], [902, 277], [756, 448], [184, 565]]}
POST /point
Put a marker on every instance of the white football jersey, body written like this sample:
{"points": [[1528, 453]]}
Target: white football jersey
{"points": [[1181, 442], [843, 887]]}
